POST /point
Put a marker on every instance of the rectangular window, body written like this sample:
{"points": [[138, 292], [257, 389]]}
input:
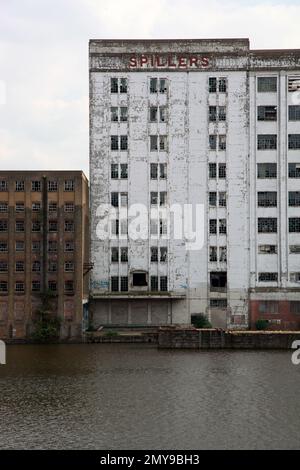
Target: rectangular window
{"points": [[114, 283], [69, 286], [154, 254], [294, 224], [69, 207], [114, 199], [154, 171], [69, 226], [114, 115], [162, 85], [213, 226], [212, 84], [124, 171], [69, 185], [36, 207], [123, 85], [114, 171], [294, 198], [19, 266], [222, 226], [35, 286], [294, 113], [69, 267], [69, 246], [4, 225], [19, 286], [52, 266], [154, 283], [3, 286], [153, 113], [36, 247], [123, 199], [52, 226], [222, 170], [162, 198], [35, 186], [154, 198], [212, 142], [3, 185], [114, 87], [123, 114], [153, 227], [267, 249], [267, 84], [114, 142], [294, 83], [19, 207], [52, 286], [295, 277], [295, 306], [163, 171], [266, 142], [212, 113], [123, 142], [52, 186], [124, 283], [212, 168], [222, 113], [3, 267], [163, 254], [162, 114], [162, 142], [213, 254], [222, 85], [163, 283], [268, 306], [267, 277], [153, 143], [218, 303], [124, 254], [153, 85], [222, 199], [294, 170], [115, 227], [20, 186], [267, 225], [20, 226], [267, 199], [267, 170], [36, 267], [163, 226], [4, 247], [52, 246], [267, 113], [222, 142], [3, 207], [223, 254], [213, 199], [294, 141]]}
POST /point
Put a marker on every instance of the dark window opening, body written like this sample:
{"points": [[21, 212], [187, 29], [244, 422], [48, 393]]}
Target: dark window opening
{"points": [[139, 279]]}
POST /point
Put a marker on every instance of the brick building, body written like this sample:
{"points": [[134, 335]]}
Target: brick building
{"points": [[196, 121], [44, 223]]}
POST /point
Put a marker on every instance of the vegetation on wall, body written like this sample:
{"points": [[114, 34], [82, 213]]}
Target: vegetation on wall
{"points": [[47, 323]]}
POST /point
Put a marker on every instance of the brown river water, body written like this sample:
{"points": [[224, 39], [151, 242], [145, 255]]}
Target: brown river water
{"points": [[138, 397]]}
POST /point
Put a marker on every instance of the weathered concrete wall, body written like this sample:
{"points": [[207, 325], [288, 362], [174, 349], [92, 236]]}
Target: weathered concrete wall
{"points": [[216, 339]]}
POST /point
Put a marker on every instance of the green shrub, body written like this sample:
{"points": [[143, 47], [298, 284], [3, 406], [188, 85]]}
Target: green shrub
{"points": [[111, 333], [261, 324], [200, 321]]}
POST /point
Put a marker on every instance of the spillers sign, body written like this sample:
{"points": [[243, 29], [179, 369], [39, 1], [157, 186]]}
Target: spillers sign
{"points": [[168, 61]]}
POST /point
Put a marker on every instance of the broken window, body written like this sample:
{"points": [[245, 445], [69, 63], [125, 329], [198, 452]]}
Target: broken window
{"points": [[213, 142], [124, 283], [69, 246], [19, 245], [294, 113], [3, 266], [36, 246], [213, 226], [154, 254], [153, 85], [114, 114], [222, 170], [163, 142], [123, 114], [154, 171], [4, 247], [222, 142], [3, 286], [212, 254], [266, 84], [222, 199], [153, 113], [212, 170], [114, 199], [36, 266], [163, 226], [153, 227], [222, 85], [294, 141], [35, 186], [36, 207], [52, 206], [267, 277], [162, 85], [163, 254], [114, 283], [52, 186], [52, 246], [212, 84], [20, 226], [114, 254], [153, 143], [267, 142], [294, 83], [124, 254], [69, 185], [36, 286], [294, 198], [3, 207], [52, 226], [158, 85], [69, 226], [267, 225], [218, 303], [163, 171], [124, 142], [294, 249], [3, 225], [123, 199], [222, 113], [162, 198], [124, 170], [154, 198], [20, 186], [267, 249], [115, 227], [3, 185], [267, 113], [294, 224], [267, 170], [162, 114], [52, 266], [114, 171], [223, 254], [222, 226], [212, 113], [19, 286], [139, 279], [295, 277], [213, 198], [52, 285], [163, 283], [268, 306], [267, 199], [218, 281], [123, 85], [154, 283], [114, 88], [294, 170]]}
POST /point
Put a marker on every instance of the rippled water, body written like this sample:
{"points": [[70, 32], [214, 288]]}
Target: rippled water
{"points": [[134, 397]]}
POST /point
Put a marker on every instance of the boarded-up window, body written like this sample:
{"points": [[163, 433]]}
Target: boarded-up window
{"points": [[69, 309]]}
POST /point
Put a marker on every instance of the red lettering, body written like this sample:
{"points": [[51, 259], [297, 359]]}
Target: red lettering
{"points": [[158, 62], [143, 60], [182, 62], [193, 61], [205, 62], [132, 62], [170, 63]]}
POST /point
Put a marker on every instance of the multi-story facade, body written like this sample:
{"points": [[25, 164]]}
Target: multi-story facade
{"points": [[181, 123], [44, 243]]}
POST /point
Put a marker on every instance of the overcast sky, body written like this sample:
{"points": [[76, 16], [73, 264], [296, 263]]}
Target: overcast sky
{"points": [[44, 61]]}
